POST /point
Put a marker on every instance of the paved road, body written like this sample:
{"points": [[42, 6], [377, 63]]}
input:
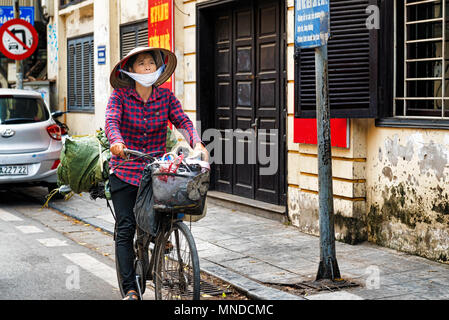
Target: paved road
{"points": [[46, 255]]}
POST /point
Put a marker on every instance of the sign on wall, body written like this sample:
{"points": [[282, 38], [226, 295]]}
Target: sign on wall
{"points": [[311, 23], [7, 13], [161, 29], [101, 55]]}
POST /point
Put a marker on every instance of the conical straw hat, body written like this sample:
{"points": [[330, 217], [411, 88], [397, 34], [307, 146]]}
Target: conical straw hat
{"points": [[162, 56]]}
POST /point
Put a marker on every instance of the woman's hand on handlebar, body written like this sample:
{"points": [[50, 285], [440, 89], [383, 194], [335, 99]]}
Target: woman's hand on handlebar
{"points": [[117, 149], [199, 148]]}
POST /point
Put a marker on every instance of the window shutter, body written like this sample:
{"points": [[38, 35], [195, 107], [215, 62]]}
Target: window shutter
{"points": [[71, 75], [352, 52], [128, 41], [134, 35], [142, 37], [80, 75], [88, 74]]}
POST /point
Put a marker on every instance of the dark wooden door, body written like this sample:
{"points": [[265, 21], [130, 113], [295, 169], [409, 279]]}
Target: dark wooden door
{"points": [[247, 92]]}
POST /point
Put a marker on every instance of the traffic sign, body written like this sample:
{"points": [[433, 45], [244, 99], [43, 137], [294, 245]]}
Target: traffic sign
{"points": [[18, 39], [311, 23]]}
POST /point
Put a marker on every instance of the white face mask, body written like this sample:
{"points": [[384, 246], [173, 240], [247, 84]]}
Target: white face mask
{"points": [[145, 79]]}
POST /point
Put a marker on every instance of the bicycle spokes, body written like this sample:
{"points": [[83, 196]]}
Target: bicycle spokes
{"points": [[176, 276]]}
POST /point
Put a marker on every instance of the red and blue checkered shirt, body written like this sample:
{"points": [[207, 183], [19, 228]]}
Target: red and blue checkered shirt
{"points": [[142, 126]]}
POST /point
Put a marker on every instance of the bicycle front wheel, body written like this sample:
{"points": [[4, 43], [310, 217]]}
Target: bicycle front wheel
{"points": [[177, 274]]}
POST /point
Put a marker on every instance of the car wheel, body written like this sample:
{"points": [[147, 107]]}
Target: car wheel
{"points": [[56, 196]]}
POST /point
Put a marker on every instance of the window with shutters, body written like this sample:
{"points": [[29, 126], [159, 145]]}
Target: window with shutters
{"points": [[80, 74], [132, 36], [353, 72]]}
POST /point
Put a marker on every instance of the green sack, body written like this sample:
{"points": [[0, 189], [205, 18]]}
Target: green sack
{"points": [[84, 162]]}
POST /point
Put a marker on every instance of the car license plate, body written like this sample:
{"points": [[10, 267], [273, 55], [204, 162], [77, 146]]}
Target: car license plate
{"points": [[13, 170]]}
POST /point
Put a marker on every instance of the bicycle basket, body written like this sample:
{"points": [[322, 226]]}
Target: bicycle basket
{"points": [[182, 189]]}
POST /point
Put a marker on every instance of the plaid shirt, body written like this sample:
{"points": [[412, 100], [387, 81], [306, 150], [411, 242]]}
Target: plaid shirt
{"points": [[143, 126]]}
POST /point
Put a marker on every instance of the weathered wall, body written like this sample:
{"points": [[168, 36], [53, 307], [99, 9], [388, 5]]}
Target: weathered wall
{"points": [[72, 22], [131, 11], [349, 183], [107, 33], [407, 190]]}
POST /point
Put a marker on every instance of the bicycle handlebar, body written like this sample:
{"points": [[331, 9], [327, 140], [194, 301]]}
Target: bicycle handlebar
{"points": [[139, 154]]}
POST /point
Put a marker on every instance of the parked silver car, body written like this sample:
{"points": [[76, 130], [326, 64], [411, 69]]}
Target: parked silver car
{"points": [[30, 140]]}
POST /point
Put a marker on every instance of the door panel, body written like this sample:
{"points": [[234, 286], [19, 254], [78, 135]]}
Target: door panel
{"points": [[247, 69], [244, 100], [268, 107], [223, 102]]}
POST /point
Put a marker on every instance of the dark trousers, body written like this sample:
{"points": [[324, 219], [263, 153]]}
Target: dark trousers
{"points": [[124, 198]]}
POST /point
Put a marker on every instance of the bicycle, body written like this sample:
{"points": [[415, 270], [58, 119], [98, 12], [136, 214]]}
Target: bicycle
{"points": [[170, 259]]}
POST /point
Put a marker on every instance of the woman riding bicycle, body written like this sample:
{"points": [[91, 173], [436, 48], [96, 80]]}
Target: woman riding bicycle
{"points": [[137, 115]]}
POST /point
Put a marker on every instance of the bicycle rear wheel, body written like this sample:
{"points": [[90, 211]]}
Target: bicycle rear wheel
{"points": [[177, 274]]}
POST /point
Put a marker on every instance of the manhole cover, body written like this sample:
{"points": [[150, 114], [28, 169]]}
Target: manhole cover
{"points": [[309, 287], [325, 285], [207, 288]]}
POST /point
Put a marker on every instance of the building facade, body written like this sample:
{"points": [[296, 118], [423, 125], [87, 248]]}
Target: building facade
{"points": [[238, 69]]}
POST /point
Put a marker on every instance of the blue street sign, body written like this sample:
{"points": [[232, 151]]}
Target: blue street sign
{"points": [[101, 54], [311, 23], [7, 13]]}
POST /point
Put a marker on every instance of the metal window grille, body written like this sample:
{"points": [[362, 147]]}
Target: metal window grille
{"points": [[80, 74], [421, 54]]}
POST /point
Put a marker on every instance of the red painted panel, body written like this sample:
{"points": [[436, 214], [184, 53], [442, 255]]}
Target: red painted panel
{"points": [[305, 131]]}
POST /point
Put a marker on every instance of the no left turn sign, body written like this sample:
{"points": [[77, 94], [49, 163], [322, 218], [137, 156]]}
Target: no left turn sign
{"points": [[18, 39]]}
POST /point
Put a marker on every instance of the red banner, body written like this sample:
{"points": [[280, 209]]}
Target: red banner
{"points": [[305, 131], [161, 29]]}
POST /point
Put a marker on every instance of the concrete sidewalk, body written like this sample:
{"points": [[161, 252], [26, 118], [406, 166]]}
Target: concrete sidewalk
{"points": [[250, 251]]}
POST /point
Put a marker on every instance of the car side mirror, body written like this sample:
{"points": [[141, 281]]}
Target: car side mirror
{"points": [[57, 114]]}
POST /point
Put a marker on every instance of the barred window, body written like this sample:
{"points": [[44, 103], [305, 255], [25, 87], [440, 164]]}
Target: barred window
{"points": [[80, 73], [421, 59]]}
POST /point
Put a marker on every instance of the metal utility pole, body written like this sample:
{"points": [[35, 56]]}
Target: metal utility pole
{"points": [[312, 30], [19, 71], [328, 268]]}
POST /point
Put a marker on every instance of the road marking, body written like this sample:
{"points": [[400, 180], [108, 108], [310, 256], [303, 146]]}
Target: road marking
{"points": [[29, 229], [8, 217], [52, 242], [94, 266]]}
